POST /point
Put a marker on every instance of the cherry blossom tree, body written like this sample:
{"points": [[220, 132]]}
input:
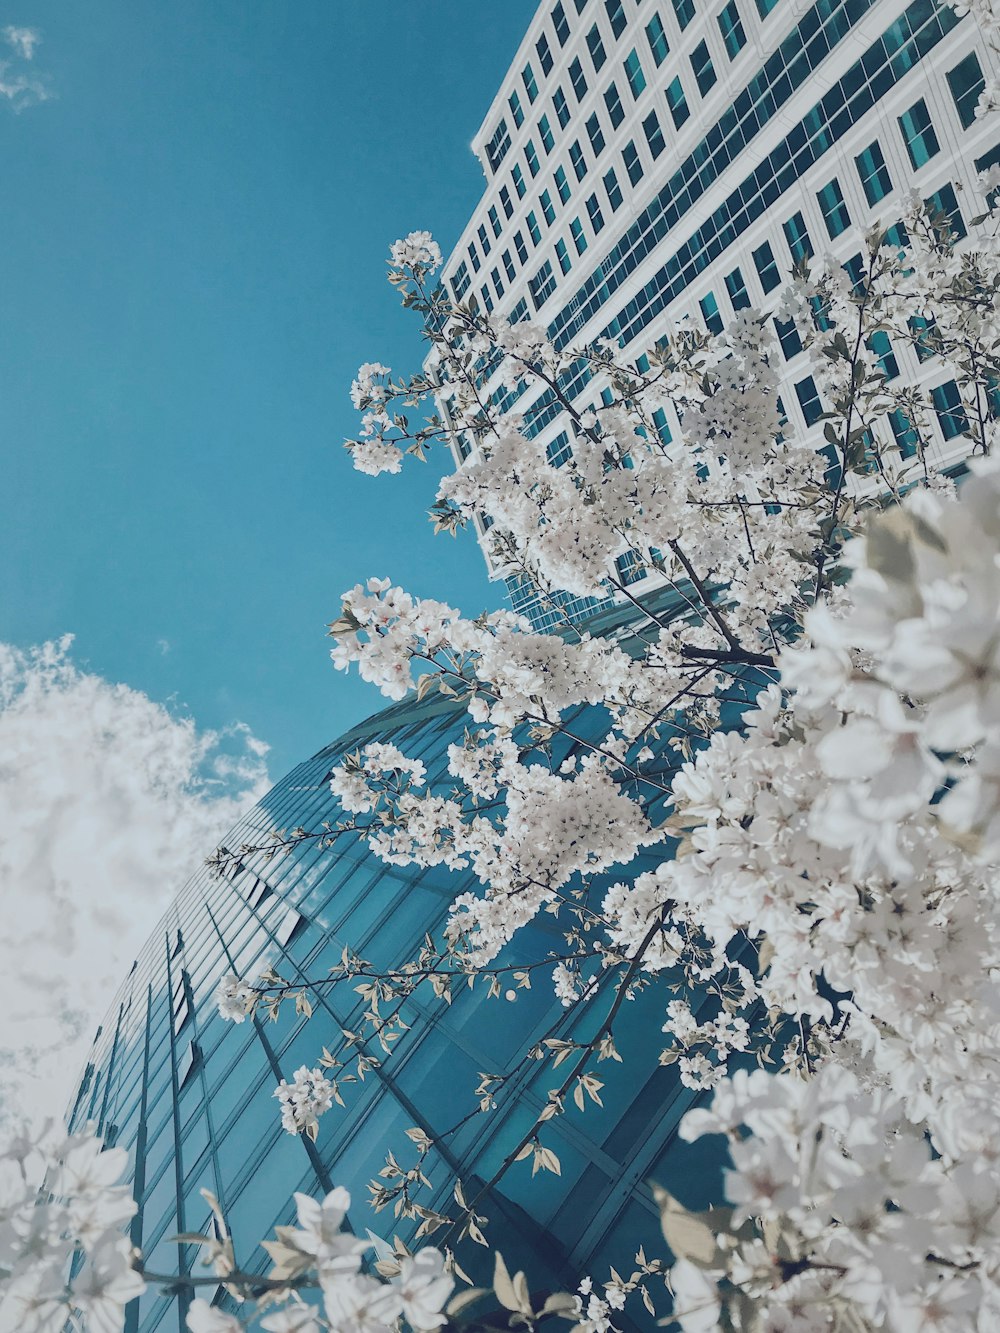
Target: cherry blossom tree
{"points": [[803, 724]]}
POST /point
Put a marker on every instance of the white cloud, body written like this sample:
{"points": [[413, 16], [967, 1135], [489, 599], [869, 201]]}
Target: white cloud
{"points": [[108, 801], [23, 40], [22, 87], [164, 646]]}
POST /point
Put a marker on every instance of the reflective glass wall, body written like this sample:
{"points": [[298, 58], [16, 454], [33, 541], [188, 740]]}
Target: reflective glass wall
{"points": [[191, 1097]]}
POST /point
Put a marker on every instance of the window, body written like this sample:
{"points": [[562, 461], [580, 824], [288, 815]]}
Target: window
{"points": [[460, 282], [704, 70], [497, 281], [684, 9], [614, 104], [542, 285], [950, 412], [918, 134], [514, 102], [507, 202], [924, 337], [896, 236], [518, 177], [633, 72], [508, 264], [576, 78], [677, 103], [596, 48], [562, 185], [873, 173], [654, 135], [709, 307], [966, 83], [855, 270], [616, 16], [474, 256], [531, 157], [534, 231], [657, 39], [788, 338], [629, 568], [495, 222], [544, 53], [731, 27], [595, 134], [881, 348], [484, 240], [662, 426], [833, 208], [797, 237], [739, 297], [498, 145], [547, 209], [944, 205], [559, 450], [576, 231], [561, 106], [578, 160], [580, 5], [520, 247], [906, 437], [632, 164], [528, 79], [767, 269], [560, 23], [808, 396], [519, 313], [614, 193], [487, 299], [545, 130], [595, 214], [562, 254], [764, 7]]}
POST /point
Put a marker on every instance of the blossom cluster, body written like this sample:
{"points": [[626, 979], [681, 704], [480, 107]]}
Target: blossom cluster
{"points": [[76, 1219]]}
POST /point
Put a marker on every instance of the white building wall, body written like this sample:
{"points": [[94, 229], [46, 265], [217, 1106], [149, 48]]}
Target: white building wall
{"points": [[512, 211]]}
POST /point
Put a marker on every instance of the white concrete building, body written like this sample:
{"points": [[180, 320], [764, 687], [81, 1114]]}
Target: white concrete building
{"points": [[650, 159]]}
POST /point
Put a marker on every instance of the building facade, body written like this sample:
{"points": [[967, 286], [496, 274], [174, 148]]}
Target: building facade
{"points": [[191, 1097], [651, 160]]}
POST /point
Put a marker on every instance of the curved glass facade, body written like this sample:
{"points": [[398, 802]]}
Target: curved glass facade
{"points": [[191, 1097]]}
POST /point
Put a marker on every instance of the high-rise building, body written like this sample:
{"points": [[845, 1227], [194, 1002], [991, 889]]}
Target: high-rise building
{"points": [[191, 1096], [647, 160]]}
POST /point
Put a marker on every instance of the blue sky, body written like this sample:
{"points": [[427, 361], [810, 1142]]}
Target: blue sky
{"points": [[192, 261]]}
